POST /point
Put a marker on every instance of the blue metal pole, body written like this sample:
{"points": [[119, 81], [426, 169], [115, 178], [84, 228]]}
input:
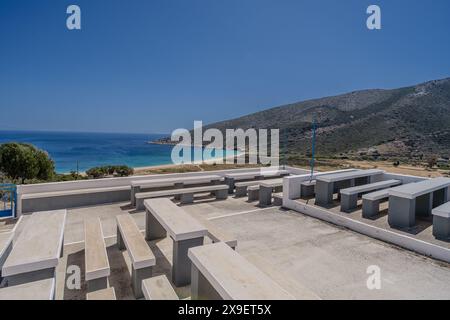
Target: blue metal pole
{"points": [[313, 148]]}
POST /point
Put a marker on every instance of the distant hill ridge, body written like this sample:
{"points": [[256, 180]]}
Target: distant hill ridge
{"points": [[410, 122]]}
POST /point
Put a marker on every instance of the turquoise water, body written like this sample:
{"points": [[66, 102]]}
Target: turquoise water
{"points": [[96, 149]]}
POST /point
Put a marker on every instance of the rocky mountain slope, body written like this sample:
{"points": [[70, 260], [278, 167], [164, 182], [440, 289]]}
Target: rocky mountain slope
{"points": [[411, 123]]}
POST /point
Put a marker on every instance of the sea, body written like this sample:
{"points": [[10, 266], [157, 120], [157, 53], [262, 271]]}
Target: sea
{"points": [[80, 150]]}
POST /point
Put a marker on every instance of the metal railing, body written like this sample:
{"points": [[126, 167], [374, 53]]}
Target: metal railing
{"points": [[8, 198]]}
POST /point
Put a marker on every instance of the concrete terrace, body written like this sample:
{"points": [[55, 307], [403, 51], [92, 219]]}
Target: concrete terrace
{"points": [[309, 251], [304, 255]]}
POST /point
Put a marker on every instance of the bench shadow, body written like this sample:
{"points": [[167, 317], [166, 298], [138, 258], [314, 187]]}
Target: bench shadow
{"points": [[135, 211], [164, 267], [264, 206], [420, 226], [380, 215], [75, 259], [202, 199], [126, 207], [120, 277], [334, 204]]}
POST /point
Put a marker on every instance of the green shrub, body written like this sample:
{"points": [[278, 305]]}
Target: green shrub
{"points": [[104, 171], [124, 171]]}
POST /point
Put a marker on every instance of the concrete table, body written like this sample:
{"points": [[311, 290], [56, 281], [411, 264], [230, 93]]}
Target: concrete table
{"points": [[409, 200], [180, 182], [219, 272], [266, 188], [162, 217], [36, 252], [328, 184]]}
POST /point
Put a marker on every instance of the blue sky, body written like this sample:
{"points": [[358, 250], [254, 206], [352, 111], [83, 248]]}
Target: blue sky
{"points": [[156, 65]]}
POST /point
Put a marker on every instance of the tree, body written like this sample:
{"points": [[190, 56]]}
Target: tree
{"points": [[431, 161], [21, 161], [45, 165]]}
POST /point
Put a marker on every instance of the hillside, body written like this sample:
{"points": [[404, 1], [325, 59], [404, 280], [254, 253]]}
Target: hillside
{"points": [[409, 123]]}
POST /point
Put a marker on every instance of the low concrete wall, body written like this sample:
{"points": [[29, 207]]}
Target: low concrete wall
{"points": [[402, 177], [56, 202], [63, 196]]}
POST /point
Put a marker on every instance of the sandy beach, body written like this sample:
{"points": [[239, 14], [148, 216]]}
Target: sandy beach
{"points": [[190, 167]]}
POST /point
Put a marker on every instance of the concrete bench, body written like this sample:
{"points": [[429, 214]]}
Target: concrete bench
{"points": [[158, 288], [241, 187], [441, 221], [187, 194], [253, 193], [103, 294], [216, 234], [371, 202], [178, 183], [36, 252], [96, 259], [56, 200], [307, 189], [278, 199], [266, 188], [164, 217], [231, 178], [219, 272], [6, 243], [36, 290], [349, 196], [142, 258]]}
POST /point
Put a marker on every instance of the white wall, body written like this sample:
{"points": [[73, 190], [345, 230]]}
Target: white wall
{"points": [[122, 181]]}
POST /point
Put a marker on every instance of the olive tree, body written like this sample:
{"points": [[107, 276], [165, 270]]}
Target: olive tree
{"points": [[21, 161]]}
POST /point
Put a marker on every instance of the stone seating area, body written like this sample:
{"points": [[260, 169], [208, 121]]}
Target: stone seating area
{"points": [[187, 194], [414, 197]]}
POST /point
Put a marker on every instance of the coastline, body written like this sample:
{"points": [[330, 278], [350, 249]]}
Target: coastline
{"points": [[174, 143], [144, 169], [140, 170]]}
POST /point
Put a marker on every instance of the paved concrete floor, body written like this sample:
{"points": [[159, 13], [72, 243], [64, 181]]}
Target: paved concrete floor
{"points": [[423, 229], [304, 255]]}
